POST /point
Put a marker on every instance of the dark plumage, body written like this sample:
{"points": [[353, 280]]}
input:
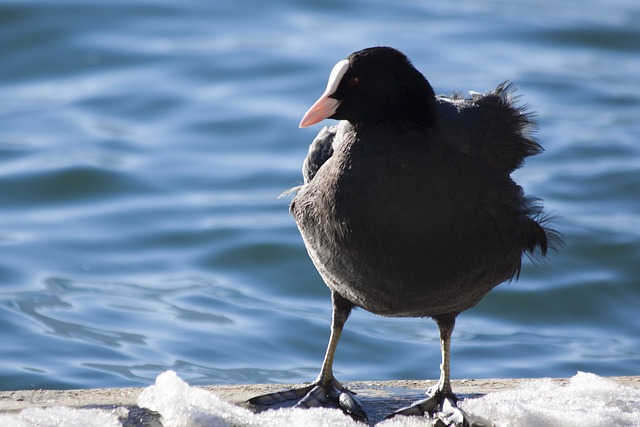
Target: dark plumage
{"points": [[408, 207]]}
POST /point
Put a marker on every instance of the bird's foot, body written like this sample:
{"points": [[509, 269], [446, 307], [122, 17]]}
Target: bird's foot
{"points": [[317, 395], [441, 408]]}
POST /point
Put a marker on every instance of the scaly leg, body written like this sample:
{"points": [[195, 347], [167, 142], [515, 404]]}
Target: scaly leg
{"points": [[326, 391], [441, 405]]}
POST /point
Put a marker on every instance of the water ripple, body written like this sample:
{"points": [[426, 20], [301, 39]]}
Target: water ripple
{"points": [[141, 160]]}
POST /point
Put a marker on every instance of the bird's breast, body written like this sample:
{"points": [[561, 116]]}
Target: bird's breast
{"points": [[399, 233]]}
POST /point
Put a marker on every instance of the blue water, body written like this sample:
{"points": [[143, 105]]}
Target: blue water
{"points": [[143, 146]]}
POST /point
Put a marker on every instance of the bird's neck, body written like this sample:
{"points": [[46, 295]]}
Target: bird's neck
{"points": [[418, 104], [413, 107]]}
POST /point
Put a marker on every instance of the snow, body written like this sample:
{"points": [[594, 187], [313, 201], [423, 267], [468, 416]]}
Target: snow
{"points": [[60, 416], [183, 406], [586, 400]]}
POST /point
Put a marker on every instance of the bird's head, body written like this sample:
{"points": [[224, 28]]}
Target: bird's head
{"points": [[374, 84]]}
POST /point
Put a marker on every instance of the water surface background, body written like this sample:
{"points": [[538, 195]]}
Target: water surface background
{"points": [[143, 145]]}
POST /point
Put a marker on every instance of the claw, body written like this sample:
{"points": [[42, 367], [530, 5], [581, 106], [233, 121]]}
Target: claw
{"points": [[451, 414], [318, 397], [351, 406], [420, 408], [442, 410], [280, 396]]}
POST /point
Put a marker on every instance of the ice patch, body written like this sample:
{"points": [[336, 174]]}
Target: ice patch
{"points": [[60, 416], [183, 406], [587, 400]]}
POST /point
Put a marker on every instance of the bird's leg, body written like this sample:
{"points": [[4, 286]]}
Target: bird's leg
{"points": [[326, 391], [441, 405], [446, 325]]}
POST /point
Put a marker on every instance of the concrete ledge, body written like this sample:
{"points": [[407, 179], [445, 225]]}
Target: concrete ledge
{"points": [[378, 398]]}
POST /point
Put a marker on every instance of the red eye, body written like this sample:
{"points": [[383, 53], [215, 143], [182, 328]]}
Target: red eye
{"points": [[354, 81]]}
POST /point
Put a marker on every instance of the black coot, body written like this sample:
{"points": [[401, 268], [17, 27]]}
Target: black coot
{"points": [[408, 207]]}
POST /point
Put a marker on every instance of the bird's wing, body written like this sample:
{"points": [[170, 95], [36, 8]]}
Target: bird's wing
{"points": [[490, 127], [493, 129], [320, 150]]}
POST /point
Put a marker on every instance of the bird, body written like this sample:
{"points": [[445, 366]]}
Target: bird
{"points": [[408, 208]]}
